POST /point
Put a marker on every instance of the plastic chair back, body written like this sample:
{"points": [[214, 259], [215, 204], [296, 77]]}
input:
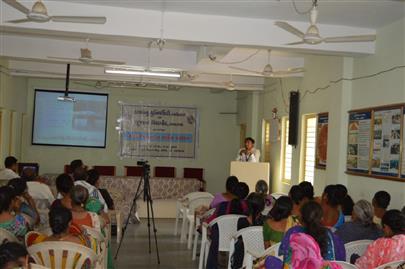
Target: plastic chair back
{"points": [[37, 266], [392, 265], [227, 228], [253, 241], [345, 265], [61, 251], [356, 247], [277, 195], [197, 202], [272, 251], [7, 236]]}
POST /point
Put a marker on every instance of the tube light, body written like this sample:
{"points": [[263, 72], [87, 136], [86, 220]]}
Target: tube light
{"points": [[142, 73]]}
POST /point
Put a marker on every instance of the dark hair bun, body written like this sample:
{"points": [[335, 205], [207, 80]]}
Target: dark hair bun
{"points": [[59, 218], [281, 209]]}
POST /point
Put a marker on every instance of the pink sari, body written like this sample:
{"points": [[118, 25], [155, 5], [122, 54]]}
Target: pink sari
{"points": [[306, 254]]}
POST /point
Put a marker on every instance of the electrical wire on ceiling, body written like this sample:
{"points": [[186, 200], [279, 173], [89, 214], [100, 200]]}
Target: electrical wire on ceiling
{"points": [[240, 61], [333, 82], [314, 3]]}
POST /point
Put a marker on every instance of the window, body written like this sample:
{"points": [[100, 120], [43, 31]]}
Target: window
{"points": [[286, 152], [308, 147], [266, 140]]}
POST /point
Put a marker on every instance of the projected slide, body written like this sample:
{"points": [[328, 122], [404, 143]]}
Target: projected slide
{"points": [[81, 123]]}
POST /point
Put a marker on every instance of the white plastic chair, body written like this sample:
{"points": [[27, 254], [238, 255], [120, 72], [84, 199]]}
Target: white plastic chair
{"points": [[196, 233], [7, 236], [227, 228], [346, 265], [356, 247], [101, 246], [37, 266], [182, 210], [41, 253], [277, 195], [181, 204], [272, 251], [253, 244], [393, 265], [190, 216]]}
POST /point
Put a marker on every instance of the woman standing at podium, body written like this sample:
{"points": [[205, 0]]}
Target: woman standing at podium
{"points": [[249, 153]]}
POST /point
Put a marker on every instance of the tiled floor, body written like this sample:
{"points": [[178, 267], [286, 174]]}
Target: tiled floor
{"points": [[134, 251]]}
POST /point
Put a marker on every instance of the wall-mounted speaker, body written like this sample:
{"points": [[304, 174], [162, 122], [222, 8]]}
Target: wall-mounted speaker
{"points": [[293, 118]]}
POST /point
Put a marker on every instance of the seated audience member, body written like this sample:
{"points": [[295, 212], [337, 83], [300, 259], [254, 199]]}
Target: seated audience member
{"points": [[64, 184], [93, 177], [27, 206], [306, 253], [308, 190], [330, 202], [255, 203], [75, 165], [389, 248], [278, 222], [80, 216], [228, 195], [13, 255], [381, 201], [236, 206], [36, 188], [80, 178], [10, 170], [403, 210], [13, 222], [297, 197], [63, 228], [346, 204], [263, 188], [362, 226], [332, 248]]}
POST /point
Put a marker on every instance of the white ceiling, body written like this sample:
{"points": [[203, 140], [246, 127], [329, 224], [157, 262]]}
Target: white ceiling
{"points": [[230, 29], [359, 13]]}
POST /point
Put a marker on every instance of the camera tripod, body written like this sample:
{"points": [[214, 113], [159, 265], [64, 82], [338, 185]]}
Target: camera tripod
{"points": [[147, 197]]}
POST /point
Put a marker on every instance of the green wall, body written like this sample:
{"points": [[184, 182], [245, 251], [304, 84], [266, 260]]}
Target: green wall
{"points": [[386, 89], [218, 136]]}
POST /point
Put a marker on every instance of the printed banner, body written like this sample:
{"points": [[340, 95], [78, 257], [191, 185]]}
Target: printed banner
{"points": [[387, 142], [322, 140], [358, 149], [158, 131]]}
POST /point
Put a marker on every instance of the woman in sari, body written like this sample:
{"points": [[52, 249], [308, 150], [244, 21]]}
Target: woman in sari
{"points": [[331, 246], [389, 248], [279, 221], [13, 222]]}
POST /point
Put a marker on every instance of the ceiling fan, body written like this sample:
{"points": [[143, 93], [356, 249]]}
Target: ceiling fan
{"points": [[268, 70], [39, 13], [312, 35], [86, 58]]}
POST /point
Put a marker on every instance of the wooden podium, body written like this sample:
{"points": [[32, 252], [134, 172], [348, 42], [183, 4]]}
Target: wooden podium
{"points": [[250, 173]]}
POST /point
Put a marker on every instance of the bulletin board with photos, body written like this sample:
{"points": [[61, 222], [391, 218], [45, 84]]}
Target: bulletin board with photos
{"points": [[375, 142]]}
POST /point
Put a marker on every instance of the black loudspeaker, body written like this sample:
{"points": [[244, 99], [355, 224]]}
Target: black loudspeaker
{"points": [[293, 118]]}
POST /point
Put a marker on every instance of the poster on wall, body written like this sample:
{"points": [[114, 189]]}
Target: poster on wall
{"points": [[158, 131], [386, 142], [322, 140], [358, 148], [403, 141]]}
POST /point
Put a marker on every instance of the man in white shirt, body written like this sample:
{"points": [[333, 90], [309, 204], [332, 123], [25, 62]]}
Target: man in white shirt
{"points": [[9, 172], [79, 177], [249, 153], [38, 190]]}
